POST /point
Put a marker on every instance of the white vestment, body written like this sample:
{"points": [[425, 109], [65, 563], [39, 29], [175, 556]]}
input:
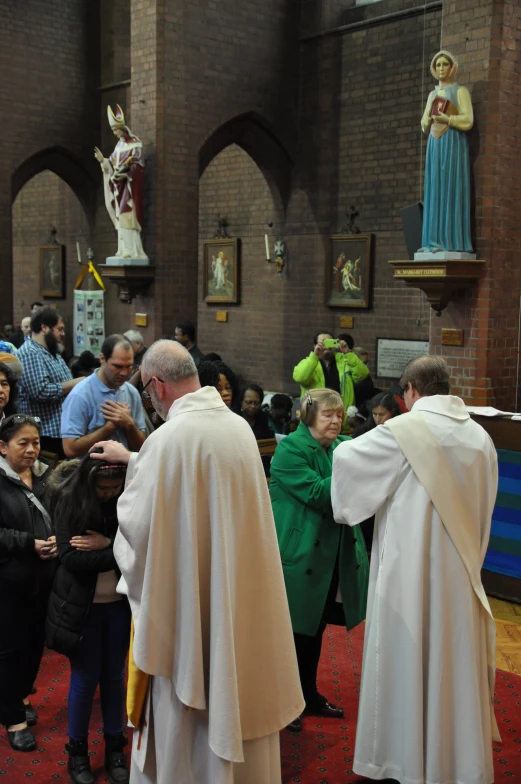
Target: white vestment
{"points": [[200, 564], [425, 714]]}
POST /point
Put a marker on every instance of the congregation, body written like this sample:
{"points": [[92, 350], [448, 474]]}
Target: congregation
{"points": [[139, 519]]}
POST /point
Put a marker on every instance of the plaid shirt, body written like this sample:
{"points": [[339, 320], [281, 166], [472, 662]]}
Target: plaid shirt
{"points": [[40, 390]]}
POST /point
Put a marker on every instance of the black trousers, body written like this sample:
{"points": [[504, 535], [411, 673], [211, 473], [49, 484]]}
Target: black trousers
{"points": [[22, 637], [308, 655], [308, 648]]}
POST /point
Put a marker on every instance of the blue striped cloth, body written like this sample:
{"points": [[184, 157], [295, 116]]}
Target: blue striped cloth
{"points": [[504, 550]]}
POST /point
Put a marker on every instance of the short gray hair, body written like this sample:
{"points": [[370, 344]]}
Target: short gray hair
{"points": [[134, 336], [168, 360]]}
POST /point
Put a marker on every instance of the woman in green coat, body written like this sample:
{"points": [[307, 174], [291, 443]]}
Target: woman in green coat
{"points": [[325, 566]]}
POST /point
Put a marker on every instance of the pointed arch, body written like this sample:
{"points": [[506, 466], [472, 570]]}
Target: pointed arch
{"points": [[255, 136], [67, 166]]}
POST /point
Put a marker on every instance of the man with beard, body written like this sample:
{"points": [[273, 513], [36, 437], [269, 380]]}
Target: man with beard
{"points": [[46, 379]]}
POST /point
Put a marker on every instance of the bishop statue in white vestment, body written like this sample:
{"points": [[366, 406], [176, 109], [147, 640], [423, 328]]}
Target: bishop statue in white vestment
{"points": [[200, 565], [426, 712]]}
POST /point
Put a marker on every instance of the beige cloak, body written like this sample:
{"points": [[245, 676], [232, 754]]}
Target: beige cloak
{"points": [[200, 564]]}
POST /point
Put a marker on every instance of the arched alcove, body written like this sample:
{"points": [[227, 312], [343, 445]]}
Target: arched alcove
{"points": [[233, 186], [65, 165], [43, 201], [258, 139]]}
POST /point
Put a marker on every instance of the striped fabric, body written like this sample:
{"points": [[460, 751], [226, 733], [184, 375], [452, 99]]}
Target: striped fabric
{"points": [[504, 550]]}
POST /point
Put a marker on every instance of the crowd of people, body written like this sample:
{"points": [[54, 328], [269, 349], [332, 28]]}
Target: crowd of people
{"points": [[156, 535]]}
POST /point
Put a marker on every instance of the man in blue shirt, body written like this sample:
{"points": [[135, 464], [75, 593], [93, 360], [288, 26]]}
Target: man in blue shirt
{"points": [[104, 406], [46, 379]]}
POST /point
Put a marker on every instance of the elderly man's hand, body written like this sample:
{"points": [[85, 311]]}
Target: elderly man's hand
{"points": [[113, 452]]}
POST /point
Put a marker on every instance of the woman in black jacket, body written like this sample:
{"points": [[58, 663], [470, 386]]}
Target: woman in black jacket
{"points": [[88, 620], [27, 552]]}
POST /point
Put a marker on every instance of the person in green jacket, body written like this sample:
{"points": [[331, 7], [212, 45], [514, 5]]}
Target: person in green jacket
{"points": [[326, 569], [339, 370]]}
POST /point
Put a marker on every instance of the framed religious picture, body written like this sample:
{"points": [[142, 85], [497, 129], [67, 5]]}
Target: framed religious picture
{"points": [[52, 271], [348, 280], [221, 260]]}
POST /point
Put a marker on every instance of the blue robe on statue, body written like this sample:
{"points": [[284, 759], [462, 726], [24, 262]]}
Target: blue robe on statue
{"points": [[446, 205]]}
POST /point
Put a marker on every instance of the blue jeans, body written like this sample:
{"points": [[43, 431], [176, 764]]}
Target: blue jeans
{"points": [[100, 658]]}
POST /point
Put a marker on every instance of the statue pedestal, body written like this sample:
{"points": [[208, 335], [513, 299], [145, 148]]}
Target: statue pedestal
{"points": [[440, 279], [444, 255], [131, 280], [117, 261]]}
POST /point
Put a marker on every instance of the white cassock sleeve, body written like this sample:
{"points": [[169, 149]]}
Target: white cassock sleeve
{"points": [[365, 475]]}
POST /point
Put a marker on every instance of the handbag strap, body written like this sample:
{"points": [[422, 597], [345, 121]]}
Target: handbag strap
{"points": [[38, 504]]}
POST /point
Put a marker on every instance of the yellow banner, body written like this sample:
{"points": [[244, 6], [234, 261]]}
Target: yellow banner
{"points": [[93, 271]]}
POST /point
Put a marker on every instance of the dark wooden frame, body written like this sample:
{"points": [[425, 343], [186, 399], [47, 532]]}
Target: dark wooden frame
{"points": [[233, 246], [58, 292], [339, 243]]}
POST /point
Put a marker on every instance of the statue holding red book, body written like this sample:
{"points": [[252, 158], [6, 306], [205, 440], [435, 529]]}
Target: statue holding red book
{"points": [[448, 116]]}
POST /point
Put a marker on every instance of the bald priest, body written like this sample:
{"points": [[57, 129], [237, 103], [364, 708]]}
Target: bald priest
{"points": [[214, 666]]}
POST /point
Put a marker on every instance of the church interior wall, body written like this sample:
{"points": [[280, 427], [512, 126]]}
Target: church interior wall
{"points": [[345, 109], [50, 52]]}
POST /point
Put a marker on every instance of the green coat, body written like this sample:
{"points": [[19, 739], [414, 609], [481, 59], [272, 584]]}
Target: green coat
{"points": [[309, 538]]}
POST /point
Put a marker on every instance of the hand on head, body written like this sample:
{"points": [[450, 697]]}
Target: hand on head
{"points": [[111, 452]]}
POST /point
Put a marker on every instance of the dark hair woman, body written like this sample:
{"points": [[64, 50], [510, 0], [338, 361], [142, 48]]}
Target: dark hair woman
{"points": [[381, 407], [325, 570], [220, 376], [8, 392], [88, 620], [27, 550], [252, 396]]}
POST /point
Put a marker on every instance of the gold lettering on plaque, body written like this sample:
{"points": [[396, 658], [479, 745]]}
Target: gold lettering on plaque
{"points": [[436, 273]]}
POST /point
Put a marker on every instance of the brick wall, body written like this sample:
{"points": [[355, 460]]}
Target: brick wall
{"points": [[250, 341], [343, 110], [49, 58], [44, 201], [486, 36]]}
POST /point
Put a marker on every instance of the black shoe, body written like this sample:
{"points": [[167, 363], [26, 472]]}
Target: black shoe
{"points": [[31, 716], [115, 759], [22, 740], [319, 706], [79, 762], [295, 725]]}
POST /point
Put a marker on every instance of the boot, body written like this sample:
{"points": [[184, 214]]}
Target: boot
{"points": [[79, 762], [115, 759]]}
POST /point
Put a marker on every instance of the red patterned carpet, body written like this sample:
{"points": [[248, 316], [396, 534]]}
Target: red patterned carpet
{"points": [[321, 754]]}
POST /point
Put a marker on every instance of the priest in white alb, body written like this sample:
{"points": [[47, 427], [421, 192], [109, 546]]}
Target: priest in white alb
{"points": [[213, 675], [426, 712]]}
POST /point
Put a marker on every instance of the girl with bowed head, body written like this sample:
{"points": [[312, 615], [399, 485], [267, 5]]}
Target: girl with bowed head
{"points": [[88, 621], [448, 117], [325, 569], [27, 553]]}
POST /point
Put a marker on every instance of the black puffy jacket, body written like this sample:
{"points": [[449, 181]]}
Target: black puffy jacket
{"points": [[21, 522], [75, 583]]}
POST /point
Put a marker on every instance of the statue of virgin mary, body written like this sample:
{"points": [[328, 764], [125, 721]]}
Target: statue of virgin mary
{"points": [[448, 116]]}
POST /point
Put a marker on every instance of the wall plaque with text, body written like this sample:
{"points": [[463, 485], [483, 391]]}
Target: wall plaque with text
{"points": [[393, 355], [451, 337]]}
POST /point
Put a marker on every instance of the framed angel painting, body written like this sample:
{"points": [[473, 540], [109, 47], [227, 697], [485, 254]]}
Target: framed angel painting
{"points": [[221, 270], [348, 278]]}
